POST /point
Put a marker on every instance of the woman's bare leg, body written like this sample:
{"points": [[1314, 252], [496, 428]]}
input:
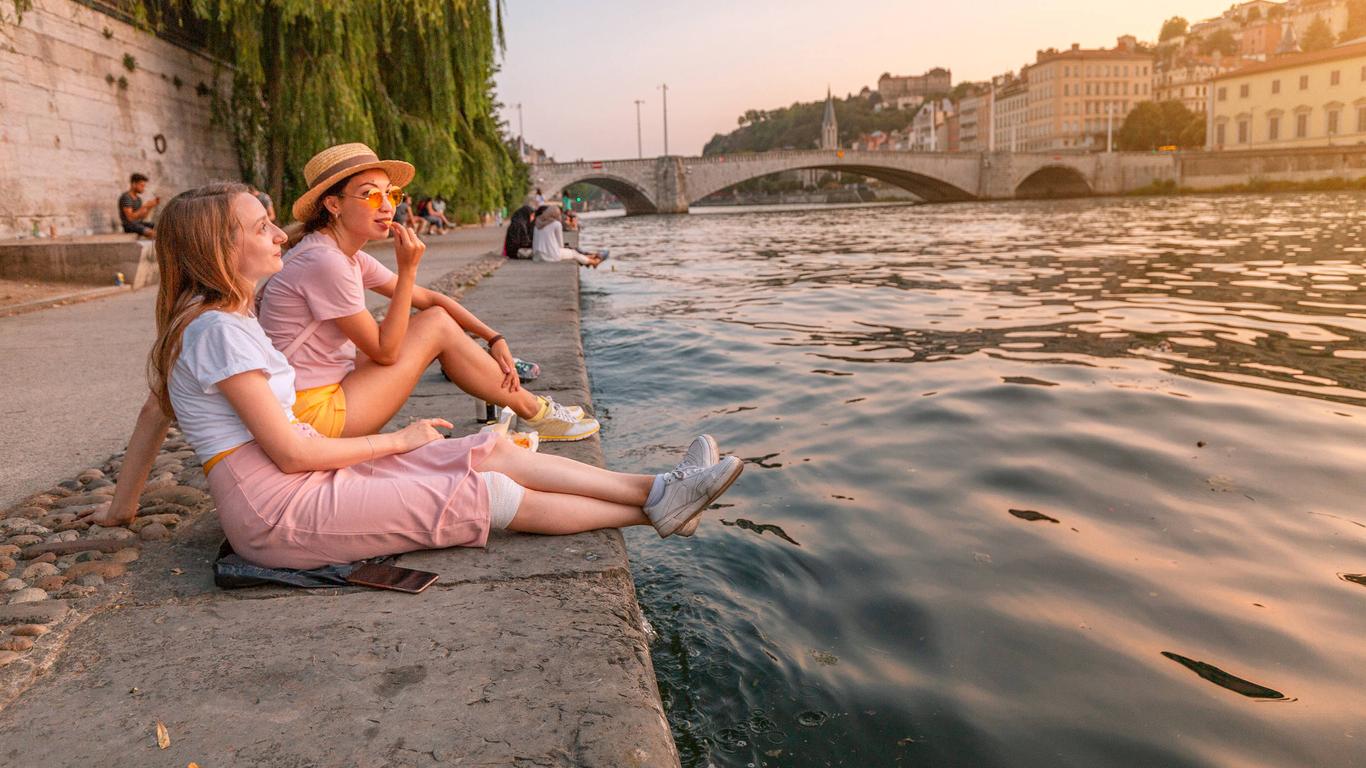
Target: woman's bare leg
{"points": [[562, 513], [375, 392], [559, 476]]}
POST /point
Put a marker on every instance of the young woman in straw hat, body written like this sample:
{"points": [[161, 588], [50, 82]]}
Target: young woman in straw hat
{"points": [[289, 497], [314, 311]]}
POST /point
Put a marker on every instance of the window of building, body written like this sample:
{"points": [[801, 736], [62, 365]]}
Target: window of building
{"points": [[1223, 93], [1361, 119], [1301, 125], [1273, 128], [1304, 82], [1275, 86], [1219, 134], [1242, 131], [1335, 77], [1244, 90], [1333, 122]]}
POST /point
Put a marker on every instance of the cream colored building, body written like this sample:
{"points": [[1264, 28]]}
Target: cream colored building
{"points": [[1009, 114], [1301, 100], [1187, 82], [1075, 94]]}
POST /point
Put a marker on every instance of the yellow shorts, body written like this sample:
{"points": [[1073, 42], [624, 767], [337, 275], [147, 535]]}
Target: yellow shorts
{"points": [[323, 408]]}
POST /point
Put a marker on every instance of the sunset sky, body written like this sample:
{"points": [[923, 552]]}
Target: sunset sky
{"points": [[577, 67]]}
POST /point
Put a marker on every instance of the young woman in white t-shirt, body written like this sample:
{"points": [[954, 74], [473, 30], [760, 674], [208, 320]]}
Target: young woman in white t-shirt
{"points": [[289, 497]]}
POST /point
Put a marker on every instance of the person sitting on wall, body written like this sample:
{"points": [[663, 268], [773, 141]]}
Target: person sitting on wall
{"points": [[437, 208], [517, 241], [548, 241], [133, 213]]}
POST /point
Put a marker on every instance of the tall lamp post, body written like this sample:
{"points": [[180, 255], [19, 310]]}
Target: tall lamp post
{"points": [[640, 148], [521, 144], [665, 88]]}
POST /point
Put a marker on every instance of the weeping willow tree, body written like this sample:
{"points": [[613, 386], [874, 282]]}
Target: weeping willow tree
{"points": [[411, 78]]}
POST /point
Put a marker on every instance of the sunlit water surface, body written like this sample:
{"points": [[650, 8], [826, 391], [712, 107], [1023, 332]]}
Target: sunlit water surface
{"points": [[1028, 484]]}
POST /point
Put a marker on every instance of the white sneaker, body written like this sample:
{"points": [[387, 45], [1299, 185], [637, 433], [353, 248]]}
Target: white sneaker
{"points": [[702, 452], [688, 492], [560, 424]]}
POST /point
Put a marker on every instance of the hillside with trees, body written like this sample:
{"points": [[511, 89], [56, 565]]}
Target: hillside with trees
{"points": [[799, 126]]}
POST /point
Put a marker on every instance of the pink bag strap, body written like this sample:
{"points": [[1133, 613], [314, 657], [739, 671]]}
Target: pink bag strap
{"points": [[299, 340]]}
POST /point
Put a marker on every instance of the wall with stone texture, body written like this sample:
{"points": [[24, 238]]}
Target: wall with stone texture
{"points": [[69, 138]]}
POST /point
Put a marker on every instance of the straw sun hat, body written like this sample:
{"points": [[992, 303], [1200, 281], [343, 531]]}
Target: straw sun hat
{"points": [[336, 163]]}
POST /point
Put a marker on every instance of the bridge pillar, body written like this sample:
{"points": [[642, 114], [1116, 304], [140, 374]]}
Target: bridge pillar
{"points": [[671, 185], [997, 173]]}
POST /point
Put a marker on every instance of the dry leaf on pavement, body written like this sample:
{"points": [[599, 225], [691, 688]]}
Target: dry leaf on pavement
{"points": [[163, 738]]}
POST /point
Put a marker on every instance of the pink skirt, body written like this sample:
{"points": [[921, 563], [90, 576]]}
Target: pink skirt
{"points": [[429, 498]]}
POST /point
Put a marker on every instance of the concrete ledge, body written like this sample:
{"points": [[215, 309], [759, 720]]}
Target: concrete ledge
{"points": [[91, 260]]}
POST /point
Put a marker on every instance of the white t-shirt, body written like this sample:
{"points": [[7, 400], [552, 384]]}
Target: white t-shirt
{"points": [[218, 345]]}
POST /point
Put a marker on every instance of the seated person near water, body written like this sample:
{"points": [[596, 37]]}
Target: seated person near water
{"points": [[134, 214], [434, 222], [547, 242], [288, 497], [517, 241]]}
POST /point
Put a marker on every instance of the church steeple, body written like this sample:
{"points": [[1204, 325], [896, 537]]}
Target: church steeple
{"points": [[830, 133]]}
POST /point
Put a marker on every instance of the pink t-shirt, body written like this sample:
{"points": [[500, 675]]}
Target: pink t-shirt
{"points": [[318, 282]]}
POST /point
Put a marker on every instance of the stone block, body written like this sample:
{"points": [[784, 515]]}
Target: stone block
{"points": [[44, 612]]}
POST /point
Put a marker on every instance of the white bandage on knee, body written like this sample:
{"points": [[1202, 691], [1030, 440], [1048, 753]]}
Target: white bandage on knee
{"points": [[505, 496]]}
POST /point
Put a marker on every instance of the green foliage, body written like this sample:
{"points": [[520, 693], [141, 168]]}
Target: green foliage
{"points": [[411, 78], [19, 6], [1173, 27], [1221, 41], [799, 126], [1152, 125], [1318, 37], [130, 62]]}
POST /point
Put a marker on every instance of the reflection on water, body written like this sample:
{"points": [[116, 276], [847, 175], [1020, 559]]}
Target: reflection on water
{"points": [[1033, 454]]}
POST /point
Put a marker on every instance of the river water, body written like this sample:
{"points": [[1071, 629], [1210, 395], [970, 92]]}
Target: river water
{"points": [[1029, 484]]}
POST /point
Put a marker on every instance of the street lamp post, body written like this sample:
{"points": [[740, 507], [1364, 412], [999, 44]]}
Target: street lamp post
{"points": [[640, 148], [521, 143], [665, 88]]}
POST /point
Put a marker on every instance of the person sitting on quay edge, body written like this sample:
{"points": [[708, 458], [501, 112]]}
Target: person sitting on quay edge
{"points": [[133, 213], [517, 241], [438, 209], [547, 242], [289, 497], [403, 213], [424, 212]]}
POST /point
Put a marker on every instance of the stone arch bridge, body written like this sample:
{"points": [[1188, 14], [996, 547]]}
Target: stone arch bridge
{"points": [[672, 184]]}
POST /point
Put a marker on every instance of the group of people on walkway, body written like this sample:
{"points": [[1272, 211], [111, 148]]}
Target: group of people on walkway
{"points": [[537, 233], [281, 379]]}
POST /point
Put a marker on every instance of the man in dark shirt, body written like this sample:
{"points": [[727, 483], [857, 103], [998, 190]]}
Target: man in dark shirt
{"points": [[133, 212]]}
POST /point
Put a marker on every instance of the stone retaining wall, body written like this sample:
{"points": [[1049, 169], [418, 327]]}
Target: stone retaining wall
{"points": [[75, 122]]}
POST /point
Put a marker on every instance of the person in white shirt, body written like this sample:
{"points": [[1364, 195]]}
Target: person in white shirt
{"points": [[289, 497], [547, 242]]}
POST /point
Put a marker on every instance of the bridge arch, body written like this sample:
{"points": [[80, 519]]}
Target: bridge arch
{"points": [[1053, 181], [632, 196], [922, 186]]}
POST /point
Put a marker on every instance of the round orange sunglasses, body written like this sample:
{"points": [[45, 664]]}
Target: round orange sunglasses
{"points": [[375, 198]]}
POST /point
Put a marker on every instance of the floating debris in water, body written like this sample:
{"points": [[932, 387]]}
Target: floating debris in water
{"points": [[1028, 380], [1032, 516], [1224, 680], [1199, 443], [760, 461], [760, 528], [1355, 578], [824, 658], [828, 372], [812, 718]]}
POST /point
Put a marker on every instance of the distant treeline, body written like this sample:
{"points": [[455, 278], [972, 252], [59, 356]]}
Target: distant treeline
{"points": [[799, 126]]}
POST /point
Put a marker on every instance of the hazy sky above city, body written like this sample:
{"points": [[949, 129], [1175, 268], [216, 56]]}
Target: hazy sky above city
{"points": [[578, 67]]}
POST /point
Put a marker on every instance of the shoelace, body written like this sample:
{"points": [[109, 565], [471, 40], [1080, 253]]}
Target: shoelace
{"points": [[683, 473], [561, 413]]}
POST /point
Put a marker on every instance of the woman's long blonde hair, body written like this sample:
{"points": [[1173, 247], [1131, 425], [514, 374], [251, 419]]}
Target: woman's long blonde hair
{"points": [[197, 235]]}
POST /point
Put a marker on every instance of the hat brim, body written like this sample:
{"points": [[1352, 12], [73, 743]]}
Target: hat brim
{"points": [[400, 174]]}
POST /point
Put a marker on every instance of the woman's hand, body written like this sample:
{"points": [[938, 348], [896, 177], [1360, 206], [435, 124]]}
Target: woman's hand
{"points": [[503, 355], [419, 433], [408, 249], [106, 516]]}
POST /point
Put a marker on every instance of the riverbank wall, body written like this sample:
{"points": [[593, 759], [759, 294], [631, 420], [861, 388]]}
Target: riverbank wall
{"points": [[86, 100], [531, 651]]}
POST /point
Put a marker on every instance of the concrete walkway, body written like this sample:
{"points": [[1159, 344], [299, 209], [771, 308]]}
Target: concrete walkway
{"points": [[529, 652]]}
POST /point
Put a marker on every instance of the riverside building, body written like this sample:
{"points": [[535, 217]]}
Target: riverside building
{"points": [[1074, 95], [1301, 100]]}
